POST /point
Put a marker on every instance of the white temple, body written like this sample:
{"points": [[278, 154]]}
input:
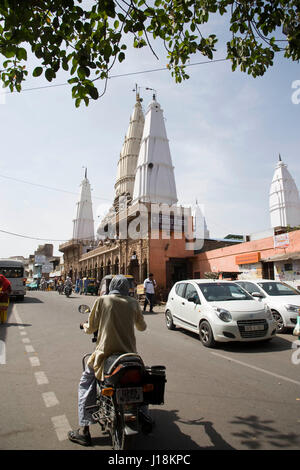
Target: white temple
{"points": [[284, 201], [154, 180], [145, 171], [83, 224]]}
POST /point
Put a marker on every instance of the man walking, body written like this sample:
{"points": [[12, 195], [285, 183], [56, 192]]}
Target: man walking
{"points": [[149, 289]]}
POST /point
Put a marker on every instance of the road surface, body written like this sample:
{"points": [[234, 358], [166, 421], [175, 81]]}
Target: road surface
{"points": [[237, 396]]}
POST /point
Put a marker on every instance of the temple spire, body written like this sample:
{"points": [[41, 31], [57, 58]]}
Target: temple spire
{"points": [[284, 200], [83, 224], [155, 180], [130, 150]]}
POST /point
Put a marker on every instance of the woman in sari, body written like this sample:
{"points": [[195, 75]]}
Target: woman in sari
{"points": [[5, 289]]}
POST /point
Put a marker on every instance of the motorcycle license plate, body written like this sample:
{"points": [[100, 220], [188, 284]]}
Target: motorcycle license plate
{"points": [[129, 395], [254, 327]]}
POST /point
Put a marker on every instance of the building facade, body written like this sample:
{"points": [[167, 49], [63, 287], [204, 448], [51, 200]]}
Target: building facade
{"points": [[146, 230]]}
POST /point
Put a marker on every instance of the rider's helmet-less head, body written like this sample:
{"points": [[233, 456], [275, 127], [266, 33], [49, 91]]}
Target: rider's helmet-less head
{"points": [[119, 285]]}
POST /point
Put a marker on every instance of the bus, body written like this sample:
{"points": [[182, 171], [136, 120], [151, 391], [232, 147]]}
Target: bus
{"points": [[14, 271]]}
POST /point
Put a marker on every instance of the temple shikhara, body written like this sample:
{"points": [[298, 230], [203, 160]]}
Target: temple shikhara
{"points": [[147, 230]]}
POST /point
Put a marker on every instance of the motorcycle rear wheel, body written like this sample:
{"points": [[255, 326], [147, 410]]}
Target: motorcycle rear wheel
{"points": [[120, 440]]}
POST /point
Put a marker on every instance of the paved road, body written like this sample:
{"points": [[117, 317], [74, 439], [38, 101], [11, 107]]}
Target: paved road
{"points": [[238, 396]]}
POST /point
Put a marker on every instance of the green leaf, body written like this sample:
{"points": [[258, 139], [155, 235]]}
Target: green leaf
{"points": [[49, 74], [93, 92], [121, 56], [37, 71]]}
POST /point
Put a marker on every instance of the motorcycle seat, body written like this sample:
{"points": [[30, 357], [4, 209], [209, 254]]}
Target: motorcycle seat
{"points": [[120, 358]]}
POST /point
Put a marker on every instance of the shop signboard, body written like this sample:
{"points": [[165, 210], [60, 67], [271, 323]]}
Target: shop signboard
{"points": [[282, 240]]}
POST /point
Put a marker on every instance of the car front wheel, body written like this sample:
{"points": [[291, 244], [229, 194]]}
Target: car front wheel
{"points": [[169, 321], [280, 328], [206, 335]]}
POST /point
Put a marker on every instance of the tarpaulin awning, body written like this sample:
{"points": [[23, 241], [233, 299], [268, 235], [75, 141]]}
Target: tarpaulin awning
{"points": [[283, 256]]}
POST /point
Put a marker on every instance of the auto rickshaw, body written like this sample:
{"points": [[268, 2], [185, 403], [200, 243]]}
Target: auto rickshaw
{"points": [[92, 286], [106, 280]]}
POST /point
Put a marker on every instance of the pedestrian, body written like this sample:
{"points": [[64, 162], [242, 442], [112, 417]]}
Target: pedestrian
{"points": [[114, 317], [5, 290], [149, 290], [85, 285]]}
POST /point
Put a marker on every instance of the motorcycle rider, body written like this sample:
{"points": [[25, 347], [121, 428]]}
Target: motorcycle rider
{"points": [[68, 284], [5, 290], [114, 316]]}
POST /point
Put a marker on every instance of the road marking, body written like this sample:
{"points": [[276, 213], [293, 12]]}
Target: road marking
{"points": [[282, 377], [60, 423], [41, 378], [2, 352], [29, 348], [35, 362], [18, 318], [50, 399], [61, 426]]}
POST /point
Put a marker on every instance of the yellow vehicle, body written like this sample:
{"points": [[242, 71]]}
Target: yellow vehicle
{"points": [[106, 280]]}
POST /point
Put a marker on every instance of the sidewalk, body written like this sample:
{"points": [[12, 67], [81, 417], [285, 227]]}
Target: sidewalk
{"points": [[156, 308]]}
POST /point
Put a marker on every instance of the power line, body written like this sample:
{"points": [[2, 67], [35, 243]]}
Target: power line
{"points": [[30, 238], [48, 187], [116, 76]]}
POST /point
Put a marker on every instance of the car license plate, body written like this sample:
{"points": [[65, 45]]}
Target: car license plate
{"points": [[129, 395], [254, 327]]}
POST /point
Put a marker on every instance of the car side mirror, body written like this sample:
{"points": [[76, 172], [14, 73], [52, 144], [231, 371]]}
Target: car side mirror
{"points": [[194, 299], [257, 294]]}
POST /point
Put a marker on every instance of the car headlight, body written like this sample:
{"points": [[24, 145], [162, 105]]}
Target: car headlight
{"points": [[293, 308], [223, 314], [268, 312]]}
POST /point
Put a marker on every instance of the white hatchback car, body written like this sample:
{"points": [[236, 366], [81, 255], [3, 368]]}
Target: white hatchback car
{"points": [[283, 300], [218, 311]]}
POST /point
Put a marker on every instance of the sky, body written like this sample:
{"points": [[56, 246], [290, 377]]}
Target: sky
{"points": [[225, 130]]}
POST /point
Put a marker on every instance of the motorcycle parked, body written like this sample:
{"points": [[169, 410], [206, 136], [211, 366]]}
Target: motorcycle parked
{"points": [[128, 387]]}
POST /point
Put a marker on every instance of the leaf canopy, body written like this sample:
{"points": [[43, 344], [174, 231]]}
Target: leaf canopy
{"points": [[86, 41]]}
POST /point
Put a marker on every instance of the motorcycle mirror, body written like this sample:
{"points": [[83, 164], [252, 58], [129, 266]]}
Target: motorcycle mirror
{"points": [[84, 309]]}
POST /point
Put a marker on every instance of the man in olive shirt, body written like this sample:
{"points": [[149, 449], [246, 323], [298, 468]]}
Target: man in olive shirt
{"points": [[114, 316]]}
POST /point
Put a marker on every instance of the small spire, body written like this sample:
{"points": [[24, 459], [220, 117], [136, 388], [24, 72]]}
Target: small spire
{"points": [[280, 158], [137, 93]]}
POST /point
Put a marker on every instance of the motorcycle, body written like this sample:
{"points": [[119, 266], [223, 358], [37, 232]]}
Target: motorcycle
{"points": [[128, 387], [68, 290]]}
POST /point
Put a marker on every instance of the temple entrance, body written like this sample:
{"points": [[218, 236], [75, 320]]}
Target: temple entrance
{"points": [[134, 269], [177, 269]]}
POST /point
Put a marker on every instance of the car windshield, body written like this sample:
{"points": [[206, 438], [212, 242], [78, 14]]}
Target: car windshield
{"points": [[218, 292], [276, 289]]}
